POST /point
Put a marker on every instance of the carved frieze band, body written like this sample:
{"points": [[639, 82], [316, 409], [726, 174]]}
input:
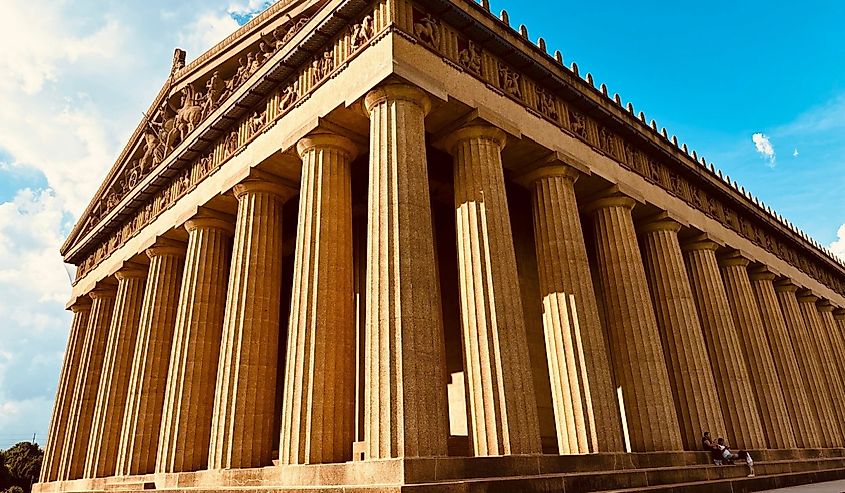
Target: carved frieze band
{"points": [[464, 54], [170, 125]]}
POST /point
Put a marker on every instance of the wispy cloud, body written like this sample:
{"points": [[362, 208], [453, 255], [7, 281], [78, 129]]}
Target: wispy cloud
{"points": [[764, 148], [838, 246]]}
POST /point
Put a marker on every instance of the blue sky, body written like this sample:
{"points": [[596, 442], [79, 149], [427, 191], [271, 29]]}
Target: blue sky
{"points": [[77, 76]]}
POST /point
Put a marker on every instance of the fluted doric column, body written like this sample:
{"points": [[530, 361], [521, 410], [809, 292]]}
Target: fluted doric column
{"points": [[148, 380], [637, 356], [733, 383], [757, 353], [319, 400], [184, 438], [117, 366], [796, 397], [405, 399], [503, 409], [832, 333], [81, 309], [87, 383], [690, 373], [586, 412], [244, 398], [839, 316], [824, 350], [810, 364]]}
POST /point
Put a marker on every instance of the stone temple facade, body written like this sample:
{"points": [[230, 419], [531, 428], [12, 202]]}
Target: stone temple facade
{"points": [[394, 245]]}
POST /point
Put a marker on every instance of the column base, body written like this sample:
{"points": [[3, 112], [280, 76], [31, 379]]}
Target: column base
{"points": [[657, 471]]}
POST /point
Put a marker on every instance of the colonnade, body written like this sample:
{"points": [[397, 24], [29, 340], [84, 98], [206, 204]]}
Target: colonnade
{"points": [[173, 367]]}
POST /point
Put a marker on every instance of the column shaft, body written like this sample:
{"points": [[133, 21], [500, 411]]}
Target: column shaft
{"points": [[184, 437], [319, 400], [117, 367], [87, 385], [690, 373], [757, 354], [797, 399], [819, 339], [637, 357], [810, 364], [733, 383], [503, 408], [64, 393], [405, 398], [831, 331], [244, 399], [148, 380], [586, 412]]}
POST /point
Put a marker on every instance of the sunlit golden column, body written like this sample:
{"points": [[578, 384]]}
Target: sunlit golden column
{"points": [[586, 413], [503, 408], [244, 398], [804, 423], [733, 383], [642, 380], [81, 309], [184, 437], [319, 400], [839, 316], [405, 411], [833, 334], [117, 366], [757, 353], [87, 383], [810, 364], [148, 381], [680, 330], [818, 337]]}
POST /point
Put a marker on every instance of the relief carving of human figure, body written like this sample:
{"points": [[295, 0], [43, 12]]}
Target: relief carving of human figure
{"points": [[216, 87], [427, 31], [470, 58], [361, 33]]}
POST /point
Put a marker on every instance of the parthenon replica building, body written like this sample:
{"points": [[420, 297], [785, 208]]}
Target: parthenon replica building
{"points": [[395, 245]]}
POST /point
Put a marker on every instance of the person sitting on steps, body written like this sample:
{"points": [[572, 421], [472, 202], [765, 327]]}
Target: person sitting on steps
{"points": [[708, 445]]}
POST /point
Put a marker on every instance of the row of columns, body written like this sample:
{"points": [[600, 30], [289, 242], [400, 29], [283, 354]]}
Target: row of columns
{"points": [[175, 368]]}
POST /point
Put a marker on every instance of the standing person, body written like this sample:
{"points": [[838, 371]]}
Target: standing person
{"points": [[746, 456]]}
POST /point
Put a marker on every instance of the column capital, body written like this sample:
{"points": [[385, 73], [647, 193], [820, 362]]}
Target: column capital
{"points": [[397, 92], [700, 242], [825, 305], [211, 219], [761, 273], [659, 222], [734, 258], [612, 197], [785, 285], [807, 296], [261, 182], [103, 292], [551, 168], [166, 247], [81, 304], [839, 313], [327, 140], [131, 270], [474, 131]]}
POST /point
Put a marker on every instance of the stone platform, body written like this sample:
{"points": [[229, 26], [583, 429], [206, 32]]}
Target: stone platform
{"points": [[653, 472]]}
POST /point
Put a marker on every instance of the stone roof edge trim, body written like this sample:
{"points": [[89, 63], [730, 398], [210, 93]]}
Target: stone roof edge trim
{"points": [[788, 229]]}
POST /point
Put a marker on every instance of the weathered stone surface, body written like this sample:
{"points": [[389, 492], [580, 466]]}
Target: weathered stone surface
{"points": [[586, 412], [184, 438], [638, 362], [733, 383], [319, 405], [693, 385]]}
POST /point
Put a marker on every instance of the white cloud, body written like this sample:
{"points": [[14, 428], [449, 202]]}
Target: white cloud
{"points": [[795, 152], [838, 246], [205, 31], [764, 147]]}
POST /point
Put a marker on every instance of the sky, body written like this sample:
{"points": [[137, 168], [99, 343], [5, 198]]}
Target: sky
{"points": [[757, 87]]}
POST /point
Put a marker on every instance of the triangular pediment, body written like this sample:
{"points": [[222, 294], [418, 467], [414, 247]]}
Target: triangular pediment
{"points": [[188, 96]]}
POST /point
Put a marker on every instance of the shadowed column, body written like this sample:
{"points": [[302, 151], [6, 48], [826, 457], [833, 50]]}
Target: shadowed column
{"points": [[801, 415], [586, 413], [87, 384], [637, 356], [733, 383], [319, 400], [147, 383], [503, 409], [810, 364], [839, 316], [81, 309], [831, 330], [405, 397], [693, 386], [184, 438], [117, 366], [244, 398], [818, 337], [758, 355]]}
